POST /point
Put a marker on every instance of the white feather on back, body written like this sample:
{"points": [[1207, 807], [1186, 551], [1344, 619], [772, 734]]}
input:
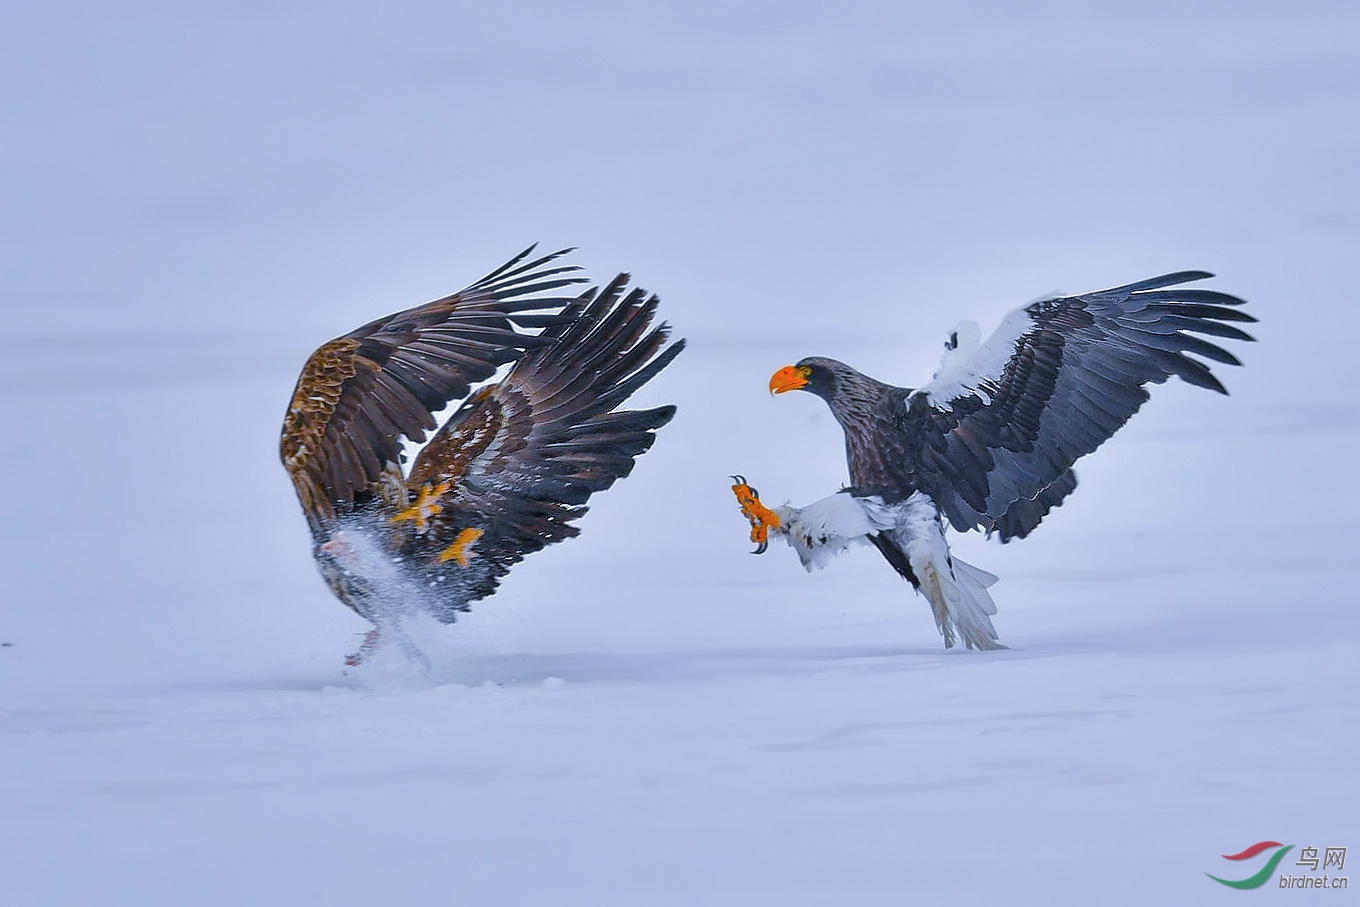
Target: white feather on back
{"points": [[963, 339], [964, 372]]}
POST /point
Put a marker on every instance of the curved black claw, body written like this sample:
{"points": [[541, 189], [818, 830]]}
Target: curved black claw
{"points": [[764, 546], [741, 480]]}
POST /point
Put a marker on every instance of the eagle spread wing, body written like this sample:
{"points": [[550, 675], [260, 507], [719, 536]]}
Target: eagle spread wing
{"points": [[997, 431], [360, 394], [515, 465], [507, 474], [989, 443]]}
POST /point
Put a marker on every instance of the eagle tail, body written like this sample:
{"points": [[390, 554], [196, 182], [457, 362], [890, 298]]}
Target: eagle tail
{"points": [[973, 607], [958, 597], [957, 591]]}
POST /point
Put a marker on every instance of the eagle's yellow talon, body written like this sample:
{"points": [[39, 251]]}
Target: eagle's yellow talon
{"points": [[461, 549], [426, 506], [762, 518]]}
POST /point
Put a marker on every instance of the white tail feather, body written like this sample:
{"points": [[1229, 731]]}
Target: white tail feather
{"points": [[957, 591], [974, 606]]}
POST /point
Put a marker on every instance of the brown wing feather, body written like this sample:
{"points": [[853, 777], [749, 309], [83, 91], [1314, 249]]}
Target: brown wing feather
{"points": [[466, 438], [524, 455], [318, 391], [360, 394]]}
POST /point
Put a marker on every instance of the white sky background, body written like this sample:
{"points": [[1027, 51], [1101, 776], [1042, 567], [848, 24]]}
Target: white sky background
{"points": [[271, 167], [195, 196], [207, 192]]}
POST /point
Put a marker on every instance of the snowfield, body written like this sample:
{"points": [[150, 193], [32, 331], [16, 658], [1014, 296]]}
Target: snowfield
{"points": [[647, 715]]}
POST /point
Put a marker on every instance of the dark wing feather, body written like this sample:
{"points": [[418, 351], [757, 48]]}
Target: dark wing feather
{"points": [[359, 394], [1024, 515], [995, 434], [523, 456]]}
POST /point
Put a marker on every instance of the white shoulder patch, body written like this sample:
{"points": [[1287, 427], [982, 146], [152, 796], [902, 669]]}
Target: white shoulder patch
{"points": [[963, 340], [975, 373]]}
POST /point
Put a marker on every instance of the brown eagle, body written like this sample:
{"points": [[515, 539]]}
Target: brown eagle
{"points": [[508, 474], [990, 442]]}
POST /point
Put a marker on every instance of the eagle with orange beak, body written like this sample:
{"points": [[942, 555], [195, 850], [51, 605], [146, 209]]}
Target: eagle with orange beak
{"points": [[989, 443]]}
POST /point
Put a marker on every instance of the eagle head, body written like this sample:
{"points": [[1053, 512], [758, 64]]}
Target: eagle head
{"points": [[815, 374]]}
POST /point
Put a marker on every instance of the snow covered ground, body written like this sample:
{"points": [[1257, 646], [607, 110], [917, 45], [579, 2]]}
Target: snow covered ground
{"points": [[648, 715]]}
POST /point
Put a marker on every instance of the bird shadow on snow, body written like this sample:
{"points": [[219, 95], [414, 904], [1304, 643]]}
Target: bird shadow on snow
{"points": [[390, 671], [393, 672], [450, 662]]}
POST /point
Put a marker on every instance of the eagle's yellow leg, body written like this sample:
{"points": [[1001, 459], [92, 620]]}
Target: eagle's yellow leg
{"points": [[461, 549], [426, 505], [762, 518]]}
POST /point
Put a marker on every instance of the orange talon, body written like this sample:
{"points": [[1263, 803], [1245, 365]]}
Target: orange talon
{"points": [[460, 550], [762, 518], [426, 506]]}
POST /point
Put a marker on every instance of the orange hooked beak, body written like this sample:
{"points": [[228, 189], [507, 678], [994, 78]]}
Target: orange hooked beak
{"points": [[789, 378]]}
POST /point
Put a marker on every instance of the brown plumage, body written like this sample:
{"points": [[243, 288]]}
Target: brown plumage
{"points": [[508, 473]]}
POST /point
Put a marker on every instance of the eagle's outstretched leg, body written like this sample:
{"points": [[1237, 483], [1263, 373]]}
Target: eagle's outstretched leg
{"points": [[909, 534], [425, 506], [762, 518], [366, 648], [408, 646], [376, 637]]}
